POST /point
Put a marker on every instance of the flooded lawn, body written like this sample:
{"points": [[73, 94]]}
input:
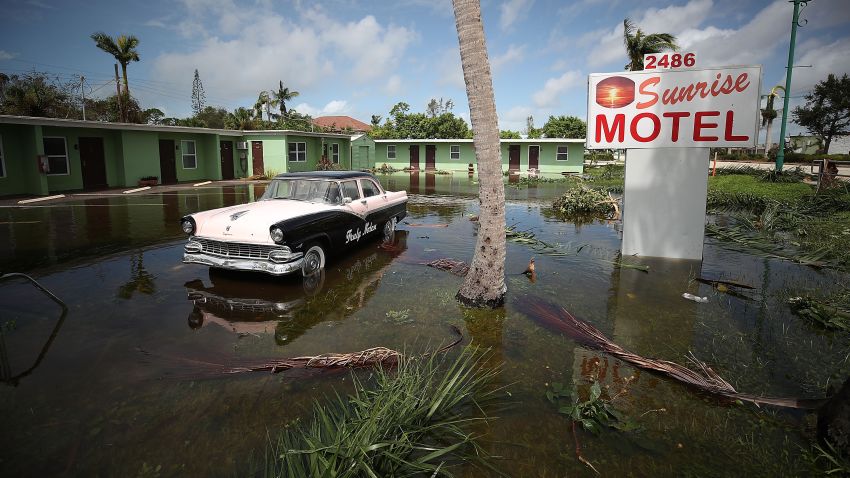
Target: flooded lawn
{"points": [[126, 382]]}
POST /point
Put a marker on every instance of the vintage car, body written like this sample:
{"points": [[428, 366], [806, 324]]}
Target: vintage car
{"points": [[300, 220]]}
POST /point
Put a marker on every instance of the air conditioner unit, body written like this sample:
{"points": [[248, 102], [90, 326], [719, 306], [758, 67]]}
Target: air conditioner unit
{"points": [[241, 145]]}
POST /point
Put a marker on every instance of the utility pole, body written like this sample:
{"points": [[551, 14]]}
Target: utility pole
{"points": [[83, 94], [780, 156], [120, 102]]}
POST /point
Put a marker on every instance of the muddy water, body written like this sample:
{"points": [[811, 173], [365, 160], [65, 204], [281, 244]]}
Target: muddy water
{"points": [[129, 382]]}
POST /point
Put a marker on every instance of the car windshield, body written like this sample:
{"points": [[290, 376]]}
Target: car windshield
{"points": [[312, 190]]}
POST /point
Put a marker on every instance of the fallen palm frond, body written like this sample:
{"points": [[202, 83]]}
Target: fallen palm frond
{"points": [[458, 268], [415, 421], [821, 311], [726, 282], [586, 202], [408, 224], [766, 247], [705, 379]]}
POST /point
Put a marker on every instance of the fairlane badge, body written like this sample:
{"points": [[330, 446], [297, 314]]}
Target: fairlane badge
{"points": [[355, 236]]}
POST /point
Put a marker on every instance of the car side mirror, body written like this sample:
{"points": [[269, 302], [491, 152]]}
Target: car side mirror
{"points": [[346, 200]]}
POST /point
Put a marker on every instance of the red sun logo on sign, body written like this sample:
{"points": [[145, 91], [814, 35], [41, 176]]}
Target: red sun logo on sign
{"points": [[615, 92]]}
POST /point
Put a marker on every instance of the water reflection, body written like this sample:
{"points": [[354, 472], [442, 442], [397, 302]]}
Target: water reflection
{"points": [[140, 281], [247, 303]]}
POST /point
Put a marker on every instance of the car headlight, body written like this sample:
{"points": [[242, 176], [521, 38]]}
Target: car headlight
{"points": [[276, 234], [188, 226]]}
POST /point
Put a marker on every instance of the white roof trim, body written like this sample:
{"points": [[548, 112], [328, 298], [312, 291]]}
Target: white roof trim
{"points": [[73, 123], [466, 140]]}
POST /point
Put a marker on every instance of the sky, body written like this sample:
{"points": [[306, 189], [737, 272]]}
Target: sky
{"points": [[359, 58]]}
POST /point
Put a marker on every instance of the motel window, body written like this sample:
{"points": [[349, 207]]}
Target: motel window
{"points": [[390, 151], [455, 151], [190, 159], [335, 153], [298, 152], [2, 160], [56, 151], [562, 154]]}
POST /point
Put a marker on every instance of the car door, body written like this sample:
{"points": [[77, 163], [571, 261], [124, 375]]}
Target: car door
{"points": [[375, 201], [353, 229]]}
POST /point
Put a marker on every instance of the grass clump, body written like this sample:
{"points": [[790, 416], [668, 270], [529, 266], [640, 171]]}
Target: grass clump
{"points": [[608, 178], [582, 201], [749, 192], [414, 421]]}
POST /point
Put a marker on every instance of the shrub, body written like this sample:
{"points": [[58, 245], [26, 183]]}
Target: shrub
{"points": [[583, 201]]}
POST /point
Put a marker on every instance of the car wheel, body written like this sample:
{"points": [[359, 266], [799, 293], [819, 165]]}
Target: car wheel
{"points": [[314, 259], [389, 229]]}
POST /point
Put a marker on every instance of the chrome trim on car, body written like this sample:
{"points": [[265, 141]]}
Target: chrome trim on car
{"points": [[245, 264]]}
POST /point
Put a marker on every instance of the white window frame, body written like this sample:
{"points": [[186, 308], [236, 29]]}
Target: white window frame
{"points": [[567, 153], [2, 160], [184, 154], [67, 161], [452, 153], [388, 151], [297, 152], [335, 153]]}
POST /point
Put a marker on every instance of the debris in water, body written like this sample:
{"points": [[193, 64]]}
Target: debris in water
{"points": [[530, 269], [458, 268], [695, 298], [410, 224]]}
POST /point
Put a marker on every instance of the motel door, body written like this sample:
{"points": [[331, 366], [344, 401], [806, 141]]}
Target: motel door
{"points": [[167, 162], [414, 157], [226, 148], [93, 163], [430, 157], [513, 157], [257, 158], [533, 157]]}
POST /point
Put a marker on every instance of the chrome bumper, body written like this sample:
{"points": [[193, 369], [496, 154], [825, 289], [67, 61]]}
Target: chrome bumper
{"points": [[192, 255]]}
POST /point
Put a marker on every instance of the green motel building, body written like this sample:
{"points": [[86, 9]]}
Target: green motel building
{"points": [[40, 156], [543, 155]]}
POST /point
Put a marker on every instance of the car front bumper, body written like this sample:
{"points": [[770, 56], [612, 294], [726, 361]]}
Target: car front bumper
{"points": [[239, 264]]}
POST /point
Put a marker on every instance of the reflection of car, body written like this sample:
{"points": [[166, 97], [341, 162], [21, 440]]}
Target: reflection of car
{"points": [[288, 308], [299, 220]]}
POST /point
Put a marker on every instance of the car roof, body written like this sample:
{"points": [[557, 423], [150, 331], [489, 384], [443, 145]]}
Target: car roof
{"points": [[326, 175]]}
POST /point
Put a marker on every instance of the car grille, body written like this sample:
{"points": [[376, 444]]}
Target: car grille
{"points": [[236, 249]]}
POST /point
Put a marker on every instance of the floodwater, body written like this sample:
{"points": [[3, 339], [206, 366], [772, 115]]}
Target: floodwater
{"points": [[127, 384]]}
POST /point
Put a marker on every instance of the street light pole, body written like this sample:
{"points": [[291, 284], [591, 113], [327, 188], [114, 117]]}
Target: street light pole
{"points": [[780, 155]]}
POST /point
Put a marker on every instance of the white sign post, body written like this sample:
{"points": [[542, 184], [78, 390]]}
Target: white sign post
{"points": [[667, 120]]}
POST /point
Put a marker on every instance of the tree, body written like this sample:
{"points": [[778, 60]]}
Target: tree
{"points": [[153, 116], [281, 96], [565, 127], [36, 94], [241, 118], [122, 48], [198, 95], [638, 44], [376, 120], [508, 134], [530, 131], [827, 109], [768, 114], [211, 117], [263, 104], [484, 285], [437, 107], [402, 124]]}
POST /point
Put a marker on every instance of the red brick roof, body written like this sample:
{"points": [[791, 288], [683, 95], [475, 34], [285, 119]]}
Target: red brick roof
{"points": [[339, 123]]}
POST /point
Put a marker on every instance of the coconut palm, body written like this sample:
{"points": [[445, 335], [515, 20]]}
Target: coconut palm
{"points": [[484, 285], [242, 118], [639, 43], [282, 95], [123, 48]]}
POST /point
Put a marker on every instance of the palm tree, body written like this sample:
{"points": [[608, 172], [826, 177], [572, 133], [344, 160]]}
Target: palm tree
{"points": [[242, 118], [638, 44], [264, 102], [281, 96], [484, 285], [122, 48]]}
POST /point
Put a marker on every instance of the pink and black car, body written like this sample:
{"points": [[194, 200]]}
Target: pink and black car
{"points": [[300, 220]]}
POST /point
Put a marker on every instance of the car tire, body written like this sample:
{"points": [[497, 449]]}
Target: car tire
{"points": [[389, 229], [314, 259]]}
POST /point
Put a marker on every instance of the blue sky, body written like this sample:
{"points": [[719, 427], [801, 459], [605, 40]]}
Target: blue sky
{"points": [[359, 58]]}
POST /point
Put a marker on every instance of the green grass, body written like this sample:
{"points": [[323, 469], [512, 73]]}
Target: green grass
{"points": [[729, 186], [830, 233], [416, 420]]}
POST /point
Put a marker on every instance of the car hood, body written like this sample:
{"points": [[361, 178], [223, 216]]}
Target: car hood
{"points": [[250, 222]]}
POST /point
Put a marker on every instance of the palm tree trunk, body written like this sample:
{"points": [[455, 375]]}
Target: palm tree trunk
{"points": [[484, 285], [126, 84]]}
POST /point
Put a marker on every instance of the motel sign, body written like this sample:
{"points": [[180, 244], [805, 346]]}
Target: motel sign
{"points": [[710, 107]]}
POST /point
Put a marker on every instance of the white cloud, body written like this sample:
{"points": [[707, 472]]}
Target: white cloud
{"points": [[301, 50], [393, 86], [512, 11], [554, 87], [514, 119], [824, 58], [451, 71], [513, 53], [606, 46], [5, 55], [333, 108]]}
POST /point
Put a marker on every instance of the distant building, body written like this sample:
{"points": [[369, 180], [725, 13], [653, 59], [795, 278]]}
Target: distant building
{"points": [[47, 155], [342, 124], [840, 144]]}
